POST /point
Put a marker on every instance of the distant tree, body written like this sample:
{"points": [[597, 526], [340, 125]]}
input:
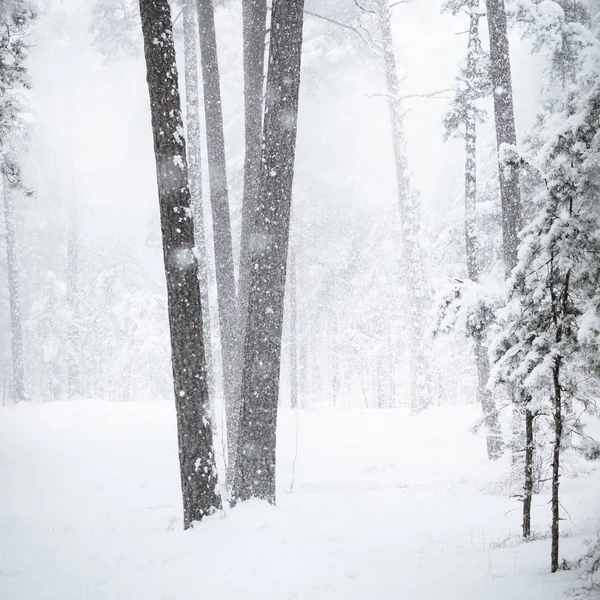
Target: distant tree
{"points": [[15, 19], [409, 206], [14, 295], [293, 304], [219, 198], [192, 118], [255, 466], [115, 28], [500, 72], [462, 119], [196, 453]]}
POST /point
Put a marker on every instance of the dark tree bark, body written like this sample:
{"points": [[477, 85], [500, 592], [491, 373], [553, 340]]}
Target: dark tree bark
{"points": [[558, 426], [255, 469], [510, 195], [528, 487], [254, 14], [196, 455], [192, 114], [14, 295], [217, 176], [419, 368]]}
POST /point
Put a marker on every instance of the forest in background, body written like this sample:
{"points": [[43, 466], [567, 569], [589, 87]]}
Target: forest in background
{"points": [[443, 243]]}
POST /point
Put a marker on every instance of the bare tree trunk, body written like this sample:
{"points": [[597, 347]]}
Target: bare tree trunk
{"points": [[335, 360], [254, 13], [510, 194], [528, 487], [195, 177], [255, 469], [217, 175], [419, 368], [558, 426], [304, 387], [293, 291], [74, 356], [196, 454], [14, 296]]}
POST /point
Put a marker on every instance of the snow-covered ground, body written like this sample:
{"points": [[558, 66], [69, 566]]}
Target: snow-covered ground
{"points": [[384, 506]]}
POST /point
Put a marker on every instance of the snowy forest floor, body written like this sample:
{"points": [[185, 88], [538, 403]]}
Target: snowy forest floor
{"points": [[384, 506]]}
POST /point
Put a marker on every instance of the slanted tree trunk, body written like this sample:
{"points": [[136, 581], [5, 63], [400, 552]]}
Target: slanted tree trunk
{"points": [[500, 71], [14, 296], [419, 368], [192, 114], [254, 14], [293, 291], [196, 454], [217, 176], [255, 468], [484, 396]]}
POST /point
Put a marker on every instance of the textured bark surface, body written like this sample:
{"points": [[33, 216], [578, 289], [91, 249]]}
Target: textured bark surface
{"points": [[419, 368], [219, 199], [14, 296], [194, 154], [528, 487], [196, 458], [558, 426], [254, 14], [500, 71], [255, 469]]}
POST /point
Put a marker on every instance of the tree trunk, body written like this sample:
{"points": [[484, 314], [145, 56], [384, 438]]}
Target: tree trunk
{"points": [[196, 454], [335, 359], [217, 175], [304, 384], [192, 114], [528, 487], [420, 396], [14, 296], [500, 71], [254, 14], [74, 356], [558, 425], [255, 469], [293, 290], [484, 396]]}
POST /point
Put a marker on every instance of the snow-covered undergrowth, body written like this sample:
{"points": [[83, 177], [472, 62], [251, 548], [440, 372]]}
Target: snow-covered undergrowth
{"points": [[383, 506]]}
